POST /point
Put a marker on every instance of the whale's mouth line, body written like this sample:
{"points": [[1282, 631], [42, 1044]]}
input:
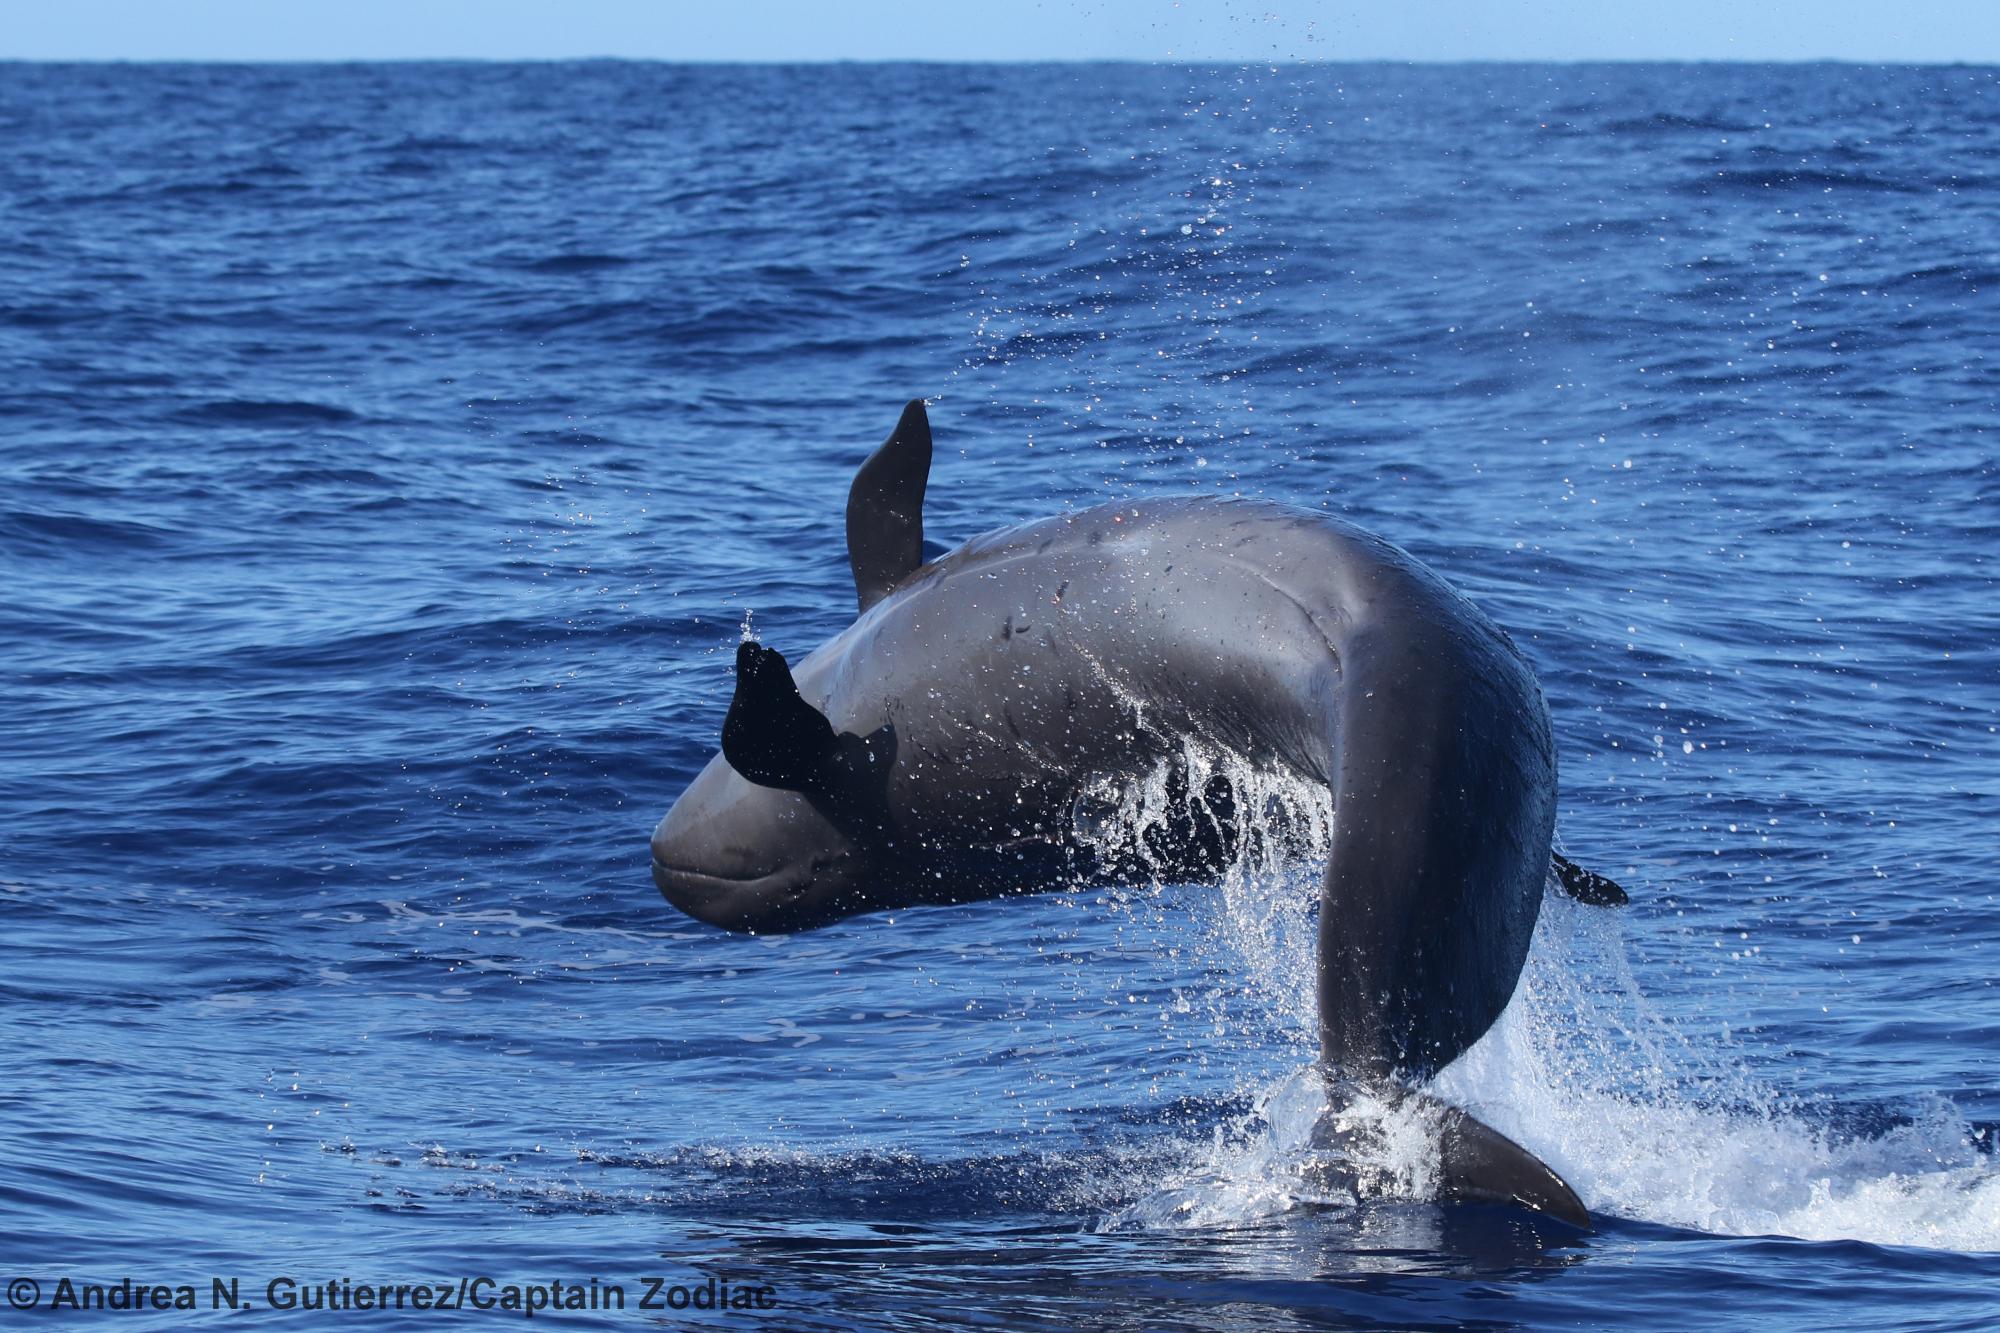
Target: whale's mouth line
{"points": [[665, 875], [793, 897], [785, 882], [751, 903]]}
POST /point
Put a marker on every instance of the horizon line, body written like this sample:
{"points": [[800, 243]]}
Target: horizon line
{"points": [[1168, 61]]}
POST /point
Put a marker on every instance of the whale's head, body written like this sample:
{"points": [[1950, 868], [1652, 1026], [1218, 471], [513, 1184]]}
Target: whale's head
{"points": [[788, 828], [753, 858]]}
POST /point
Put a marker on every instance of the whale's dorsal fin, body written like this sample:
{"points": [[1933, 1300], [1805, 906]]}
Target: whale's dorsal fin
{"points": [[885, 508]]}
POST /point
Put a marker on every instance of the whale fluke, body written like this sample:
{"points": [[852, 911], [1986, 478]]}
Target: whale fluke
{"points": [[885, 508]]}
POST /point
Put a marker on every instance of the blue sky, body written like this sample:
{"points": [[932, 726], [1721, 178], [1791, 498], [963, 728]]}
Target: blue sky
{"points": [[1862, 30]]}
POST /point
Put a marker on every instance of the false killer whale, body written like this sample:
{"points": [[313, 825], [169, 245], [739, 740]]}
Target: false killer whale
{"points": [[944, 747]]}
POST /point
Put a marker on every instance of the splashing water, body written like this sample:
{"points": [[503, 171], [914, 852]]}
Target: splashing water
{"points": [[1646, 1119], [1650, 1121], [1282, 832], [1264, 1163]]}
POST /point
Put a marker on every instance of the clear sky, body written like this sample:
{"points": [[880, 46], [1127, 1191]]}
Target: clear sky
{"points": [[1220, 30]]}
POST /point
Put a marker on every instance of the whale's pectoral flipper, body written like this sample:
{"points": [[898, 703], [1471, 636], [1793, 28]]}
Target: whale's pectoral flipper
{"points": [[773, 737], [885, 508], [1587, 886], [1475, 1162], [1479, 1164]]}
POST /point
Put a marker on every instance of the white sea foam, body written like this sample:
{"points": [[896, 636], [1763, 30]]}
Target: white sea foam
{"points": [[1646, 1120], [1646, 1117]]}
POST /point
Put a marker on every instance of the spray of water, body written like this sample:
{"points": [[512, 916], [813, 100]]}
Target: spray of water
{"points": [[1646, 1115], [1653, 1118]]}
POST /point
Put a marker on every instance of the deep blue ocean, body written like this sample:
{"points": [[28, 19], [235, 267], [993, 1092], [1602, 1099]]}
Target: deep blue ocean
{"points": [[393, 456]]}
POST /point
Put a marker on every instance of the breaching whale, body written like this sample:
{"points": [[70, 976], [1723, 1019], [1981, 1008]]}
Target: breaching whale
{"points": [[941, 748]]}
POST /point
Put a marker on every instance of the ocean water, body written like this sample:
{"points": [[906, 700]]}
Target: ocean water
{"points": [[393, 456]]}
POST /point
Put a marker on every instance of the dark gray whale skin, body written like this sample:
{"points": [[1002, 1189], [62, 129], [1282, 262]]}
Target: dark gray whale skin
{"points": [[937, 749]]}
